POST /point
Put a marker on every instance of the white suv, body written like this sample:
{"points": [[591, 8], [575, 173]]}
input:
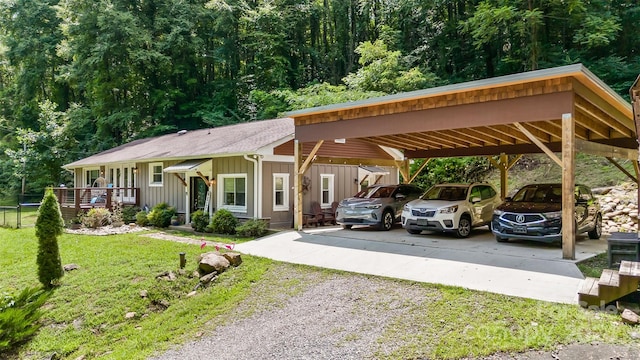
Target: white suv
{"points": [[455, 208]]}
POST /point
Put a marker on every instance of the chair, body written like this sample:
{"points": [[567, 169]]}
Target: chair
{"points": [[316, 216], [329, 215]]}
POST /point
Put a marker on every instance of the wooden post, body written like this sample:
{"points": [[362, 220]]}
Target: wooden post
{"points": [[297, 187], [504, 159], [568, 187]]}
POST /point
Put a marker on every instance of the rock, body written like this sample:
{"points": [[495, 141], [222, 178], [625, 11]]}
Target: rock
{"points": [[167, 275], [144, 294], [233, 257], [70, 267], [630, 317], [213, 262], [635, 335], [613, 229], [208, 278], [130, 315], [193, 293]]}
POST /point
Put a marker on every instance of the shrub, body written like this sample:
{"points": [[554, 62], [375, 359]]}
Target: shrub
{"points": [[252, 228], [49, 225], [19, 316], [199, 221], [96, 218], [141, 218], [161, 214], [223, 222], [129, 214]]}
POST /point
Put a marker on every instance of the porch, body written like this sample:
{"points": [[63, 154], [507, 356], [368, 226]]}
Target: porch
{"points": [[76, 200]]}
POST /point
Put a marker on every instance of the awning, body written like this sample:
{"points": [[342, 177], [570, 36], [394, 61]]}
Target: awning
{"points": [[186, 166], [374, 170]]}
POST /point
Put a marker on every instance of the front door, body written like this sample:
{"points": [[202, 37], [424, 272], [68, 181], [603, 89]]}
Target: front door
{"points": [[198, 193], [128, 181]]}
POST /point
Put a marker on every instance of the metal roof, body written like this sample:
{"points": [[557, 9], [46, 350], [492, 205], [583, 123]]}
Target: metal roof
{"points": [[184, 166]]}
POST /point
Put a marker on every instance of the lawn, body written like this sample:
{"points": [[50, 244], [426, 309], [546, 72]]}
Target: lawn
{"points": [[85, 317]]}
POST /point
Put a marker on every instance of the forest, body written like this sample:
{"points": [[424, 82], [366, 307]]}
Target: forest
{"points": [[81, 76]]}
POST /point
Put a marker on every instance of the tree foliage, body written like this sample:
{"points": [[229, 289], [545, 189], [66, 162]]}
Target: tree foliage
{"points": [[49, 225], [110, 71], [19, 315]]}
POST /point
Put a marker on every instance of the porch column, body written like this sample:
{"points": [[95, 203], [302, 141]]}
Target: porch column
{"points": [[568, 187], [297, 187]]}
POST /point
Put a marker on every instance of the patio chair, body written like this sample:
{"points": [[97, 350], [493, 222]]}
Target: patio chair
{"points": [[316, 216], [330, 214]]}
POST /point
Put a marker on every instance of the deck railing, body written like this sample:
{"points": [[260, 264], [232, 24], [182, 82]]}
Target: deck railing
{"points": [[83, 199]]}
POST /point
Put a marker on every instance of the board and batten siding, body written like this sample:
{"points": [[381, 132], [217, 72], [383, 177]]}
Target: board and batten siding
{"points": [[235, 165], [278, 218], [172, 191]]}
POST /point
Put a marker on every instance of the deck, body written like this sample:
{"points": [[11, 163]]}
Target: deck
{"points": [[74, 201]]}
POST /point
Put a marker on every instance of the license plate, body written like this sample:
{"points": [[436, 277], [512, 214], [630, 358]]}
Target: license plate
{"points": [[423, 222], [519, 229]]}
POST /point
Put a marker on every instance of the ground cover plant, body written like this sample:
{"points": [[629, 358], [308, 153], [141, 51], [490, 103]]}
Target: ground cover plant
{"points": [[85, 316]]}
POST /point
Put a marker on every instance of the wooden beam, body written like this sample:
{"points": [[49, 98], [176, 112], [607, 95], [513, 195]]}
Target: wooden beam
{"points": [[307, 162], [624, 171], [593, 148], [403, 167], [514, 161], [181, 179], [539, 143], [415, 175], [354, 161], [568, 187]]}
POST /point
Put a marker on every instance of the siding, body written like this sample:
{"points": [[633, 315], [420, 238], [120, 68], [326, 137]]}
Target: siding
{"points": [[235, 165], [278, 219], [172, 191]]}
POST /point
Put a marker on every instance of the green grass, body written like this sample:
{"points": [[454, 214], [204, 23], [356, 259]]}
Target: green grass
{"points": [[86, 315], [593, 266]]}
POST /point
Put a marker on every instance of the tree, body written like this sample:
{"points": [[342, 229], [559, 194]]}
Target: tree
{"points": [[49, 226]]}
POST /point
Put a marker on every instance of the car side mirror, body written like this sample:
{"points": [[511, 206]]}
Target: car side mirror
{"points": [[400, 196], [475, 199]]}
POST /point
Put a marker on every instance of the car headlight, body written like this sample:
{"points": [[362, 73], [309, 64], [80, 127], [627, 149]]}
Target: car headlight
{"points": [[373, 206], [498, 212], [406, 207], [448, 209], [553, 215]]}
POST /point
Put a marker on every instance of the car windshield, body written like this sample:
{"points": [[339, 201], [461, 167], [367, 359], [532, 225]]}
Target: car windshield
{"points": [[450, 193], [544, 193], [375, 192]]}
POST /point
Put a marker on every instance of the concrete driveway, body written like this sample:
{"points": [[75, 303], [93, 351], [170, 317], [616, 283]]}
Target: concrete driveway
{"points": [[523, 269]]}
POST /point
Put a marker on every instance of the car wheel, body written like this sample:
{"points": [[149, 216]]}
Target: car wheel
{"points": [[597, 229], [414, 231], [347, 227], [387, 221], [501, 239], [464, 227]]}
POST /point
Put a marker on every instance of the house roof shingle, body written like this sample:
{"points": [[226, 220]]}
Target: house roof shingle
{"points": [[232, 139]]}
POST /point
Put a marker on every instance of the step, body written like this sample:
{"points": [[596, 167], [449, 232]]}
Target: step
{"points": [[630, 268], [609, 287], [588, 293]]}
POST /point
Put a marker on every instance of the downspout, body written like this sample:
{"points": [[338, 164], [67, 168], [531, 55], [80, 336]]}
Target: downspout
{"points": [[255, 184]]}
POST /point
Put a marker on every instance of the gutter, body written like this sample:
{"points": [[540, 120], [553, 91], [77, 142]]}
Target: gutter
{"points": [[257, 184]]}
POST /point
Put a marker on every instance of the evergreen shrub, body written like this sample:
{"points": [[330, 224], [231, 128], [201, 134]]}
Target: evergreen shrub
{"points": [[161, 214], [252, 228], [49, 225], [19, 316], [96, 217], [199, 221], [223, 222]]}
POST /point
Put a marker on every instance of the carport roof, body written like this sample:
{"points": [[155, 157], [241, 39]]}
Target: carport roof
{"points": [[484, 117]]}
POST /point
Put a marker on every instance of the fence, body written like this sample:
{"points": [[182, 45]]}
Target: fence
{"points": [[10, 216]]}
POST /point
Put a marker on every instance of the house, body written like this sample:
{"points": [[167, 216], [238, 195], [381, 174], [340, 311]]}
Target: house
{"points": [[247, 168]]}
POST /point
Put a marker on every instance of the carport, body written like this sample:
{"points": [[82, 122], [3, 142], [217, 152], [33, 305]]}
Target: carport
{"points": [[560, 110]]}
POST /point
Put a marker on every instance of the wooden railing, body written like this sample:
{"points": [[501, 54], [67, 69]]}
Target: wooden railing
{"points": [[82, 199]]}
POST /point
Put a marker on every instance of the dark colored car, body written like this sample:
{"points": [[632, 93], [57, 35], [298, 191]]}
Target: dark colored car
{"points": [[535, 213], [377, 205]]}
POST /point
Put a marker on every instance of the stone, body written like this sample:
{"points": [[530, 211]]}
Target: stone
{"points": [[213, 262], [629, 317], [70, 267], [167, 275], [193, 293], [130, 315], [613, 229], [208, 278], [144, 293], [234, 258]]}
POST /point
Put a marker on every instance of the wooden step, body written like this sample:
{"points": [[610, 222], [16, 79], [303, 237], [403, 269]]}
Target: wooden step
{"points": [[588, 293], [629, 268], [609, 288]]}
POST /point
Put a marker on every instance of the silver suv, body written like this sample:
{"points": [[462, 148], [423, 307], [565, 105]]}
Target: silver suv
{"points": [[377, 205], [452, 208]]}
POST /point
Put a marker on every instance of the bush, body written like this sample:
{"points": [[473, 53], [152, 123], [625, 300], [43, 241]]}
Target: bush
{"points": [[96, 218], [161, 214], [141, 218], [252, 228], [129, 214], [223, 222], [199, 221], [19, 316], [49, 225]]}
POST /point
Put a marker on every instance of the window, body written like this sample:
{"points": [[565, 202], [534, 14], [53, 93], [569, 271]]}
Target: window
{"points": [[326, 190], [155, 174], [90, 176], [233, 192], [280, 192]]}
